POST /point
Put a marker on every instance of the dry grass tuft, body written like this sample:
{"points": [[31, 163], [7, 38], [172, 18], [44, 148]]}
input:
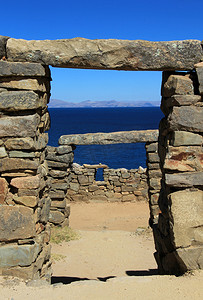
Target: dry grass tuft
{"points": [[65, 234]]}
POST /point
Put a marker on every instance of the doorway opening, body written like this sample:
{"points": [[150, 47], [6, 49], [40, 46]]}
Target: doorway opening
{"points": [[126, 221]]}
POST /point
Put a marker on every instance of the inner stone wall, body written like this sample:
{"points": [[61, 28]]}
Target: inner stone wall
{"points": [[119, 185]]}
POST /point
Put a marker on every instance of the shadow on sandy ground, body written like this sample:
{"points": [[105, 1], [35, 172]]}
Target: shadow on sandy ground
{"points": [[68, 280]]}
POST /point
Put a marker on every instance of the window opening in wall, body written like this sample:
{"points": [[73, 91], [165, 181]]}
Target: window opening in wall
{"points": [[99, 174]]}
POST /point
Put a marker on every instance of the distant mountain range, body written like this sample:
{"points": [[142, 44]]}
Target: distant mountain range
{"points": [[55, 103]]}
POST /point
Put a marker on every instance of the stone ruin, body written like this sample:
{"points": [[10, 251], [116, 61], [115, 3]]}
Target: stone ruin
{"points": [[34, 179]]}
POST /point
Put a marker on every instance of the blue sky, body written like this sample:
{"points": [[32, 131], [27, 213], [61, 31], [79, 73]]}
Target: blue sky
{"points": [[147, 20]]}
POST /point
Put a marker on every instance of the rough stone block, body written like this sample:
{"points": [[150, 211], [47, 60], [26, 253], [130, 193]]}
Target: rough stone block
{"points": [[22, 69], [127, 188], [199, 70], [189, 118], [153, 157], [13, 255], [19, 126], [152, 147], [154, 174], [3, 152], [186, 213], [10, 164], [30, 201], [30, 84], [20, 143], [18, 173], [83, 179], [184, 138], [108, 54], [32, 182], [153, 166], [56, 194], [181, 100], [93, 188], [56, 217], [125, 175], [45, 210], [192, 257], [28, 192], [3, 190], [59, 186], [57, 173], [26, 273], [16, 222], [64, 149], [184, 159], [74, 186], [154, 199], [179, 85], [41, 141], [58, 204], [155, 183], [19, 100], [57, 165], [65, 158], [187, 179], [21, 154], [3, 40]]}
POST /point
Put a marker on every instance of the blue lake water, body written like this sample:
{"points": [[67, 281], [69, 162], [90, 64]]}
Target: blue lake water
{"points": [[89, 120]]}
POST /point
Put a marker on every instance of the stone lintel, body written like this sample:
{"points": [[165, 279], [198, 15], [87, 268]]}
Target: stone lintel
{"points": [[101, 138], [108, 54]]}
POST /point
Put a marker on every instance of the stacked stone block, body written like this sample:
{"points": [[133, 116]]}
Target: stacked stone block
{"points": [[119, 185], [154, 176], [59, 160], [179, 230], [24, 194]]}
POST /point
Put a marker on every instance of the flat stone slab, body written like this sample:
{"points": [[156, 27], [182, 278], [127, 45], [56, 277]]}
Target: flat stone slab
{"points": [[22, 69], [186, 211], [19, 100], [186, 179], [10, 164], [13, 255], [19, 126], [107, 54], [16, 222], [188, 118], [101, 138]]}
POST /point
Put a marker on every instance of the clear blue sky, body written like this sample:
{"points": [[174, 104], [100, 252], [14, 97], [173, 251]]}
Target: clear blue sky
{"points": [[147, 20]]}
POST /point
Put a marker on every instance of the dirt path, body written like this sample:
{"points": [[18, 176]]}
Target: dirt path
{"points": [[111, 216], [109, 245]]}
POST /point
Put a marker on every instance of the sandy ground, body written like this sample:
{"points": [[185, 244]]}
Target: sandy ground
{"points": [[113, 259]]}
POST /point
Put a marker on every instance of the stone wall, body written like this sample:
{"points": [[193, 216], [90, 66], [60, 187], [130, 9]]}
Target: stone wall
{"points": [[154, 177], [119, 185], [59, 160], [24, 193], [178, 232], [175, 213]]}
